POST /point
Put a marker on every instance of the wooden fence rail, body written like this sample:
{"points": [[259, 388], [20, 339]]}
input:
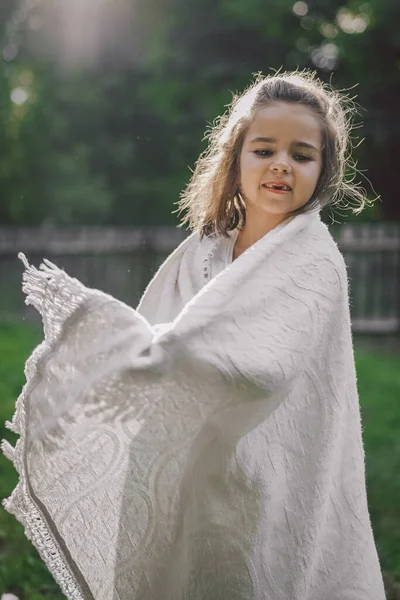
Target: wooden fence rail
{"points": [[122, 260]]}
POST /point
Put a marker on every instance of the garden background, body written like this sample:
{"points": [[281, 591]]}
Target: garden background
{"points": [[103, 108]]}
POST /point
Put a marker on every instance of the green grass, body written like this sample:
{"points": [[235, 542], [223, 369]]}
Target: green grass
{"points": [[379, 389], [23, 573]]}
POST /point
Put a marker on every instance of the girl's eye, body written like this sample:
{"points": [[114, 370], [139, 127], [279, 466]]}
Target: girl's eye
{"points": [[301, 157], [263, 152], [298, 157]]}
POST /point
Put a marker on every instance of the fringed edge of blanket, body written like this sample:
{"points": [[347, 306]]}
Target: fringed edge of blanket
{"points": [[56, 296]]}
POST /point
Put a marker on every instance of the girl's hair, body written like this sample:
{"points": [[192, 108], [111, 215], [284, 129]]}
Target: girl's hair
{"points": [[212, 196]]}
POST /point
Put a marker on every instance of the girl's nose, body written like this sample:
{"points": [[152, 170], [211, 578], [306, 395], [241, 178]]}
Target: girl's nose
{"points": [[280, 165]]}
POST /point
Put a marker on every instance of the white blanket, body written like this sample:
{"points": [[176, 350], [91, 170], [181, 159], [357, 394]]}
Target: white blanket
{"points": [[206, 446]]}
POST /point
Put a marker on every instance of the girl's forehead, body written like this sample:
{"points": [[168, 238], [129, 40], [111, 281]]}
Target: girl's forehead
{"points": [[286, 119]]}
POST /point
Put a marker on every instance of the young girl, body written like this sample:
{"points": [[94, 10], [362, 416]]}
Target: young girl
{"points": [[208, 445]]}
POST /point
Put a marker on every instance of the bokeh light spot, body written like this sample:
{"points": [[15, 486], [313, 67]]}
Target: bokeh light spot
{"points": [[10, 52], [350, 23], [307, 23], [26, 77], [325, 56], [19, 96], [300, 9], [328, 30]]}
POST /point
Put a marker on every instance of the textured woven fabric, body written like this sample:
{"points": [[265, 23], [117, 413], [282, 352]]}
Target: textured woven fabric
{"points": [[208, 445]]}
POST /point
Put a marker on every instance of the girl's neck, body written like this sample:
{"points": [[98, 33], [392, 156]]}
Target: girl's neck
{"points": [[254, 230]]}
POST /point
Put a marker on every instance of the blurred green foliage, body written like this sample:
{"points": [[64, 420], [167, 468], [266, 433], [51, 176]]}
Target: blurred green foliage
{"points": [[109, 135]]}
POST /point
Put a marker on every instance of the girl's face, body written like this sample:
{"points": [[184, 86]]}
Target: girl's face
{"points": [[283, 144]]}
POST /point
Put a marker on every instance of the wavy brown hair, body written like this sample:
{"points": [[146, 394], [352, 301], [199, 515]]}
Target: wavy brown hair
{"points": [[212, 198]]}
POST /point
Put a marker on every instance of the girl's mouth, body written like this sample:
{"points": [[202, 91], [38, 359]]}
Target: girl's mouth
{"points": [[276, 190]]}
